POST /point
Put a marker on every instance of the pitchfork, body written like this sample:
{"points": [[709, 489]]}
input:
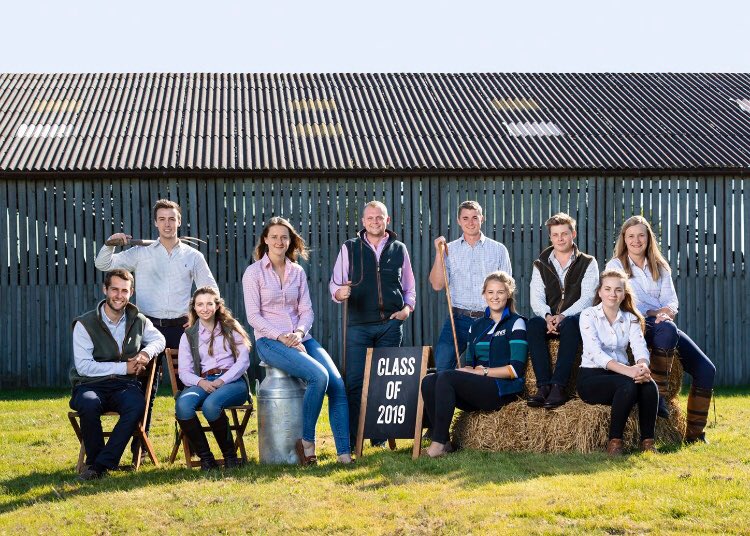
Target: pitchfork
{"points": [[345, 282]]}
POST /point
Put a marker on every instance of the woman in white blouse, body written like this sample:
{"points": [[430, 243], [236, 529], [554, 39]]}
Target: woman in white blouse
{"points": [[637, 254], [605, 377]]}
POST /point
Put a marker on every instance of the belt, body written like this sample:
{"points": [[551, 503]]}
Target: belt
{"points": [[168, 322], [466, 312], [213, 371]]}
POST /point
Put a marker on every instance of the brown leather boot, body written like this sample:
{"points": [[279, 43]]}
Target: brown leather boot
{"points": [[661, 366], [538, 400], [647, 445], [614, 447], [699, 402]]}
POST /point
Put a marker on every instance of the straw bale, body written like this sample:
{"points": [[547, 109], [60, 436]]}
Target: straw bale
{"points": [[573, 427]]}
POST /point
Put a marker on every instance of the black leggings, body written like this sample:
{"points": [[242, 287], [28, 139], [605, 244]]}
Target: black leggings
{"points": [[600, 386], [445, 391]]}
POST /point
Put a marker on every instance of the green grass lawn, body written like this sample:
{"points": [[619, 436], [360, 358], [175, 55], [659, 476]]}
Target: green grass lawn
{"points": [[696, 489]]}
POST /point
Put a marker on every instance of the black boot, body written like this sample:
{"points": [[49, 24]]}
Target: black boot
{"points": [[538, 400], [194, 431], [220, 428], [662, 410], [556, 398]]}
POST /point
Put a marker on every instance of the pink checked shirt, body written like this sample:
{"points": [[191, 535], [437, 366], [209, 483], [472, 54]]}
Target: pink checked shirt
{"points": [[222, 358], [273, 310]]}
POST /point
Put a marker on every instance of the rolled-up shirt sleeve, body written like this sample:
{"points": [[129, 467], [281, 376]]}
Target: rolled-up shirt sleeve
{"points": [[408, 283], [340, 272], [667, 293], [83, 358], [185, 365], [592, 345], [241, 364]]}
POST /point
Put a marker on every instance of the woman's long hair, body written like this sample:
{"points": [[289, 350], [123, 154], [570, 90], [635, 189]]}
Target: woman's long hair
{"points": [[628, 302], [510, 284], [227, 324], [297, 247], [653, 252]]}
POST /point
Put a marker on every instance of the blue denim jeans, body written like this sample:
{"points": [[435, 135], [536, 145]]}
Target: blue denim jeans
{"points": [[358, 339], [213, 404], [445, 353], [316, 368], [666, 336]]}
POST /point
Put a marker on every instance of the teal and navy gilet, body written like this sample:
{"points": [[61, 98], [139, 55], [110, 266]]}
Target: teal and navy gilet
{"points": [[106, 349], [378, 293], [504, 347]]}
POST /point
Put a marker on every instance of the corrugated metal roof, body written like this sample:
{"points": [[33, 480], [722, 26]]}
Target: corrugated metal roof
{"points": [[79, 122]]}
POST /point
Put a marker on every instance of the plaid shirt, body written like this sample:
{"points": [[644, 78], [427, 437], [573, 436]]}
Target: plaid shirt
{"points": [[272, 310]]}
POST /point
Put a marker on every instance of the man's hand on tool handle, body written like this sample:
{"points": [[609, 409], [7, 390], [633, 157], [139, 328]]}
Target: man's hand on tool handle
{"points": [[118, 239], [344, 292], [441, 240]]}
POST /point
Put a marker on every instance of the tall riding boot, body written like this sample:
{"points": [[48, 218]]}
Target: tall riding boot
{"points": [[699, 402], [220, 428], [194, 431], [661, 366]]}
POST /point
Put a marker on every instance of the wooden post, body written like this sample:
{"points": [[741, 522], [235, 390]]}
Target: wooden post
{"points": [[443, 249]]}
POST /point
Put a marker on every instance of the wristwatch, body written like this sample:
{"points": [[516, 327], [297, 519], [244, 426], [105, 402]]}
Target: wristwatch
{"points": [[486, 370]]}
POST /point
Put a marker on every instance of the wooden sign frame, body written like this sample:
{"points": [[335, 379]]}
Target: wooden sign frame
{"points": [[417, 448]]}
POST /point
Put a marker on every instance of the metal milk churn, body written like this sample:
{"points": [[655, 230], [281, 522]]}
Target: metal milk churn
{"points": [[279, 416]]}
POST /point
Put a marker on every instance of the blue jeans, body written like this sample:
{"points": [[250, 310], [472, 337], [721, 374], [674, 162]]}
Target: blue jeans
{"points": [[91, 400], [358, 339], [316, 368], [213, 404], [666, 336], [445, 353]]}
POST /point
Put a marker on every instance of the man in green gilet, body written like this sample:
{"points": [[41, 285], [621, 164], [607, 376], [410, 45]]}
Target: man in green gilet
{"points": [[111, 345]]}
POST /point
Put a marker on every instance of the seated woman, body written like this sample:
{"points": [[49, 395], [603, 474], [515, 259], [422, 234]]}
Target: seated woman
{"points": [[213, 358], [278, 307], [637, 254], [605, 376], [494, 365]]}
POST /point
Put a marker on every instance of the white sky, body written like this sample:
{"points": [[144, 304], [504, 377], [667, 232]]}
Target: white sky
{"points": [[379, 36]]}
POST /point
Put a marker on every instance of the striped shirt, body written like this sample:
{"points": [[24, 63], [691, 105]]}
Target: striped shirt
{"points": [[164, 281], [650, 294], [467, 267], [272, 310], [222, 358]]}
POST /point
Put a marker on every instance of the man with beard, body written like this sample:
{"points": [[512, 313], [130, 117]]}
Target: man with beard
{"points": [[379, 304], [111, 345]]}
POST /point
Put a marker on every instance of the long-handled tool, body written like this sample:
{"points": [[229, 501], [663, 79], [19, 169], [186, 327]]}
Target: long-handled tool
{"points": [[191, 241], [345, 309], [443, 253]]}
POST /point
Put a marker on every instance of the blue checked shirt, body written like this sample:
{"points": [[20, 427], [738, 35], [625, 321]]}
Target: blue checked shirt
{"points": [[468, 266]]}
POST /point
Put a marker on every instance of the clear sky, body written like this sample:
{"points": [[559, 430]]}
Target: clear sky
{"points": [[380, 36]]}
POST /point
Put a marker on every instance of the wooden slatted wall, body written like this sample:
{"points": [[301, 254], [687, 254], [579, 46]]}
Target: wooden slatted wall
{"points": [[51, 230]]}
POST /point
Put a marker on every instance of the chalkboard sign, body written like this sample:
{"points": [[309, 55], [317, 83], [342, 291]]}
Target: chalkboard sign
{"points": [[391, 398]]}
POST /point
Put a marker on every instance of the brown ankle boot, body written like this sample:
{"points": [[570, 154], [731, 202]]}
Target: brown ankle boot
{"points": [[647, 445], [614, 447], [661, 366], [699, 402]]}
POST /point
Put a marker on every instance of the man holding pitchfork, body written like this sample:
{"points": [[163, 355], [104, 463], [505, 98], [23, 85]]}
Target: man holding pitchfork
{"points": [[464, 262]]}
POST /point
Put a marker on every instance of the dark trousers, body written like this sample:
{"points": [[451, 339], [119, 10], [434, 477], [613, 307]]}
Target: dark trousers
{"points": [[172, 334], [94, 399], [600, 386], [358, 339], [570, 340], [445, 391], [445, 352], [666, 336]]}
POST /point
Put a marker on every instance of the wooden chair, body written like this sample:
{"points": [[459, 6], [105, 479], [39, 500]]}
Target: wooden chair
{"points": [[236, 425], [140, 431]]}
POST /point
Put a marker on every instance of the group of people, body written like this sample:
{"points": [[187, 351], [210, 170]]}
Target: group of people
{"points": [[571, 301]]}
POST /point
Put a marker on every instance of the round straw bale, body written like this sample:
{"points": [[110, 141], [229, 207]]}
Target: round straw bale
{"points": [[554, 345]]}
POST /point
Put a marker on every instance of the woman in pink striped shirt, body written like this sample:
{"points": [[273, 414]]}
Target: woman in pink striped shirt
{"points": [[278, 307]]}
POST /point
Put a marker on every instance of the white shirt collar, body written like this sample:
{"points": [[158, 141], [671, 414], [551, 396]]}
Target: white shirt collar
{"points": [[599, 310]]}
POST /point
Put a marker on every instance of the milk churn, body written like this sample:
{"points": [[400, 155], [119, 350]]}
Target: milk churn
{"points": [[279, 416]]}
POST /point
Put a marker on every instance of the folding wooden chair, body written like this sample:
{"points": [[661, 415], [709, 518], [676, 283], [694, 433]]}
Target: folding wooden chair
{"points": [[140, 431], [236, 425]]}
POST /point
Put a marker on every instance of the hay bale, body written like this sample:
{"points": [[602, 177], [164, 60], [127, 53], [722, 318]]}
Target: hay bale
{"points": [[675, 377], [573, 427], [553, 345]]}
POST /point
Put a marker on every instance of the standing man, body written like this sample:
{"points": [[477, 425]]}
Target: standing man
{"points": [[469, 259], [563, 283], [166, 271], [107, 357], [379, 304]]}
